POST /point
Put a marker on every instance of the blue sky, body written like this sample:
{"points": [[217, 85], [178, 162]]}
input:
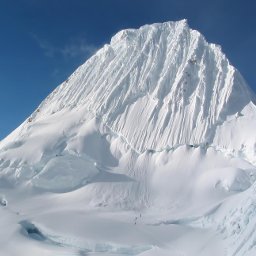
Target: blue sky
{"points": [[43, 41]]}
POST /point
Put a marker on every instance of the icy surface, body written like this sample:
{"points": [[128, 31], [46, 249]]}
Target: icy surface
{"points": [[146, 149]]}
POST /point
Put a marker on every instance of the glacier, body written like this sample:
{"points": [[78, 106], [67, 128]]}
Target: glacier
{"points": [[148, 148]]}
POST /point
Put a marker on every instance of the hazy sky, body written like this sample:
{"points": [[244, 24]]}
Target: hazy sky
{"points": [[44, 41]]}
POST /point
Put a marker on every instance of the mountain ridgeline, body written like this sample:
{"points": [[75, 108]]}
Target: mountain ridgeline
{"points": [[155, 119]]}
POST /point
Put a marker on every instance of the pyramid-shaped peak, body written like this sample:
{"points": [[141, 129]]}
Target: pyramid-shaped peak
{"points": [[168, 27], [165, 74]]}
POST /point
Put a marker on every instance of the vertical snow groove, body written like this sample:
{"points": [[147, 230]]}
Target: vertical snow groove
{"points": [[165, 79]]}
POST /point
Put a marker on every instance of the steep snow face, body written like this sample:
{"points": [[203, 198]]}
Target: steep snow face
{"points": [[165, 78], [154, 120], [153, 89]]}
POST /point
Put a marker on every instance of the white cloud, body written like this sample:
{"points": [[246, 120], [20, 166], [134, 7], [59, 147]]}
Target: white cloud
{"points": [[48, 49], [77, 48], [74, 48]]}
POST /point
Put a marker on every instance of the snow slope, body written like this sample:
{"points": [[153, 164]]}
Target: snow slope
{"points": [[164, 74], [154, 134]]}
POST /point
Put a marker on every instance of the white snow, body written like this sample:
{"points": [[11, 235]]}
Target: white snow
{"points": [[147, 149]]}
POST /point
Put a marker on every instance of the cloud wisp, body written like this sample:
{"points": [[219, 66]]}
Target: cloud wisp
{"points": [[74, 48], [77, 48]]}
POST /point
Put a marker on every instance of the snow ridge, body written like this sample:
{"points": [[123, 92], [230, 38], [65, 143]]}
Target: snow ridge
{"points": [[154, 120], [164, 74]]}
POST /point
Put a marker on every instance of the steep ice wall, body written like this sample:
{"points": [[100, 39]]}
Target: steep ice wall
{"points": [[165, 78], [116, 129]]}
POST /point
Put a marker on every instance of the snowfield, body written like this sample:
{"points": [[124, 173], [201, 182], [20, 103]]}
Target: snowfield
{"points": [[146, 149]]}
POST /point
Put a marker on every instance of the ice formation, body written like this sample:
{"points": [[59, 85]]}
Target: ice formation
{"points": [[154, 134]]}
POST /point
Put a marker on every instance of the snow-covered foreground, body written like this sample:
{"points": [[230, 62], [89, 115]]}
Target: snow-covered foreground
{"points": [[191, 202], [147, 149], [51, 224]]}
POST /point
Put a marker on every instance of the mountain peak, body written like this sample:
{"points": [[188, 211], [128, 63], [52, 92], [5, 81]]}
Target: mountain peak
{"points": [[147, 29], [154, 120], [165, 74]]}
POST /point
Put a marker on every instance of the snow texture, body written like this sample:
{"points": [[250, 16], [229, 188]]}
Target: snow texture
{"points": [[148, 148]]}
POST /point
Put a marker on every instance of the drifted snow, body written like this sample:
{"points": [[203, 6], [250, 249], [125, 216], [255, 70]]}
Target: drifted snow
{"points": [[147, 149]]}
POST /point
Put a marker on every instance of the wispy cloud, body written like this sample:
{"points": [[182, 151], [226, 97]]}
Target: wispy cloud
{"points": [[48, 49], [73, 48], [78, 47]]}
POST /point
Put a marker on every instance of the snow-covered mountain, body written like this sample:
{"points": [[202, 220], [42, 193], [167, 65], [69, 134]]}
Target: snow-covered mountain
{"points": [[156, 131]]}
